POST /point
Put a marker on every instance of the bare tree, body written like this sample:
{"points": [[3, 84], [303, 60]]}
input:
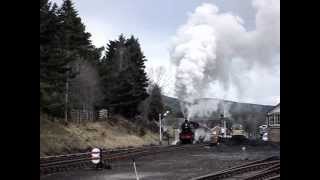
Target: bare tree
{"points": [[85, 91], [159, 76]]}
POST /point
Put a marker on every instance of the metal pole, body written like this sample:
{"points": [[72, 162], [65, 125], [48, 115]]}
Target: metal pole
{"points": [[135, 170], [224, 123], [225, 128], [160, 131]]}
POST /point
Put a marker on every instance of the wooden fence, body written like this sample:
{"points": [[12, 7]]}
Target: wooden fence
{"points": [[84, 115], [79, 116]]}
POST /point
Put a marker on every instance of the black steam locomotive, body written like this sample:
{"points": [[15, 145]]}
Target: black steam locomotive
{"points": [[186, 135]]}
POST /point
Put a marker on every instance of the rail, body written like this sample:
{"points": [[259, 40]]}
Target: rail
{"points": [[266, 168], [52, 164]]}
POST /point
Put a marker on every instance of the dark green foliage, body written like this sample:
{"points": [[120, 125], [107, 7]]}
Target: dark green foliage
{"points": [[53, 60], [123, 76], [67, 57], [63, 40], [72, 31], [156, 105]]}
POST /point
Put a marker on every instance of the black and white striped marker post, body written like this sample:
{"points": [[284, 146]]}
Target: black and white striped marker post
{"points": [[95, 156]]}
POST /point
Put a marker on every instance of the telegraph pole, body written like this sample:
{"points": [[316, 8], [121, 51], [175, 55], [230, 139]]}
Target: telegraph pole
{"points": [[224, 123], [66, 96], [160, 130], [160, 125]]}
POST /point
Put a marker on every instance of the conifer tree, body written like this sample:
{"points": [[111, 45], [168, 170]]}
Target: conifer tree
{"points": [[155, 106], [52, 61], [63, 45], [72, 33], [123, 76], [76, 41]]}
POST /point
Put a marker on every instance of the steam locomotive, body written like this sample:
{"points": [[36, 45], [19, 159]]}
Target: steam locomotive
{"points": [[186, 135]]}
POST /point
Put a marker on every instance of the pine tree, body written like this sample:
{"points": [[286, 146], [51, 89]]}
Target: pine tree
{"points": [[123, 76], [63, 44], [84, 84], [72, 33], [155, 106], [109, 70], [138, 76], [52, 61]]}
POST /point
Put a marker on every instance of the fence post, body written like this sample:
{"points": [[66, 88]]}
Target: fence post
{"points": [[78, 116]]}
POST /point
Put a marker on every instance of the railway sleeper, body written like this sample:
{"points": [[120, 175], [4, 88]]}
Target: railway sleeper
{"points": [[265, 175], [234, 172], [273, 177]]}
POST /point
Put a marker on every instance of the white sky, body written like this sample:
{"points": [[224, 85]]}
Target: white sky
{"points": [[155, 23]]}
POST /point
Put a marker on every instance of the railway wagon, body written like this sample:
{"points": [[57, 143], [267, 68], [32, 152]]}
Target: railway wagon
{"points": [[237, 132]]}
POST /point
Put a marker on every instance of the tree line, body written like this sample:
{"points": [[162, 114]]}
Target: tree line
{"points": [[75, 74]]}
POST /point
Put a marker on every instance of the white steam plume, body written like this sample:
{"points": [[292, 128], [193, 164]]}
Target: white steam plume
{"points": [[215, 55]]}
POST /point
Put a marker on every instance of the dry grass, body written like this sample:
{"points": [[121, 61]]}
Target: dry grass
{"points": [[56, 138]]}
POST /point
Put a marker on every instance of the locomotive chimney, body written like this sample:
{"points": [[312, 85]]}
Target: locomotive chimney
{"points": [[186, 119]]}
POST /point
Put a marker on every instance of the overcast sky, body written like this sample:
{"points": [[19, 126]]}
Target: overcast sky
{"points": [[155, 23]]}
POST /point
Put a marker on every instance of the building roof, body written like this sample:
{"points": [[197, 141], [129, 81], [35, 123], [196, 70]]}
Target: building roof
{"points": [[275, 109]]}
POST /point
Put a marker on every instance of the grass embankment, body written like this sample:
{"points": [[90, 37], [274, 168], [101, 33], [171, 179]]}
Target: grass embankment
{"points": [[56, 138]]}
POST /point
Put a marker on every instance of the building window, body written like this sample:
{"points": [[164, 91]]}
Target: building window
{"points": [[278, 119], [274, 119]]}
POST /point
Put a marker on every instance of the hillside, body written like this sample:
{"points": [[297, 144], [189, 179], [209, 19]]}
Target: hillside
{"points": [[172, 103], [250, 115], [56, 138], [235, 107]]}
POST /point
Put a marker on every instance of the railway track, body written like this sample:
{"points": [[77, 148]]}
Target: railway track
{"points": [[49, 159], [267, 169], [53, 164]]}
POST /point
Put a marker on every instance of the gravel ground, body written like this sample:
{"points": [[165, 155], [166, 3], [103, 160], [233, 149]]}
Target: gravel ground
{"points": [[177, 165]]}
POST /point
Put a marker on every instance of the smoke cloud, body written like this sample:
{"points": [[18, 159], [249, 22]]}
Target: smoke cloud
{"points": [[216, 56]]}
